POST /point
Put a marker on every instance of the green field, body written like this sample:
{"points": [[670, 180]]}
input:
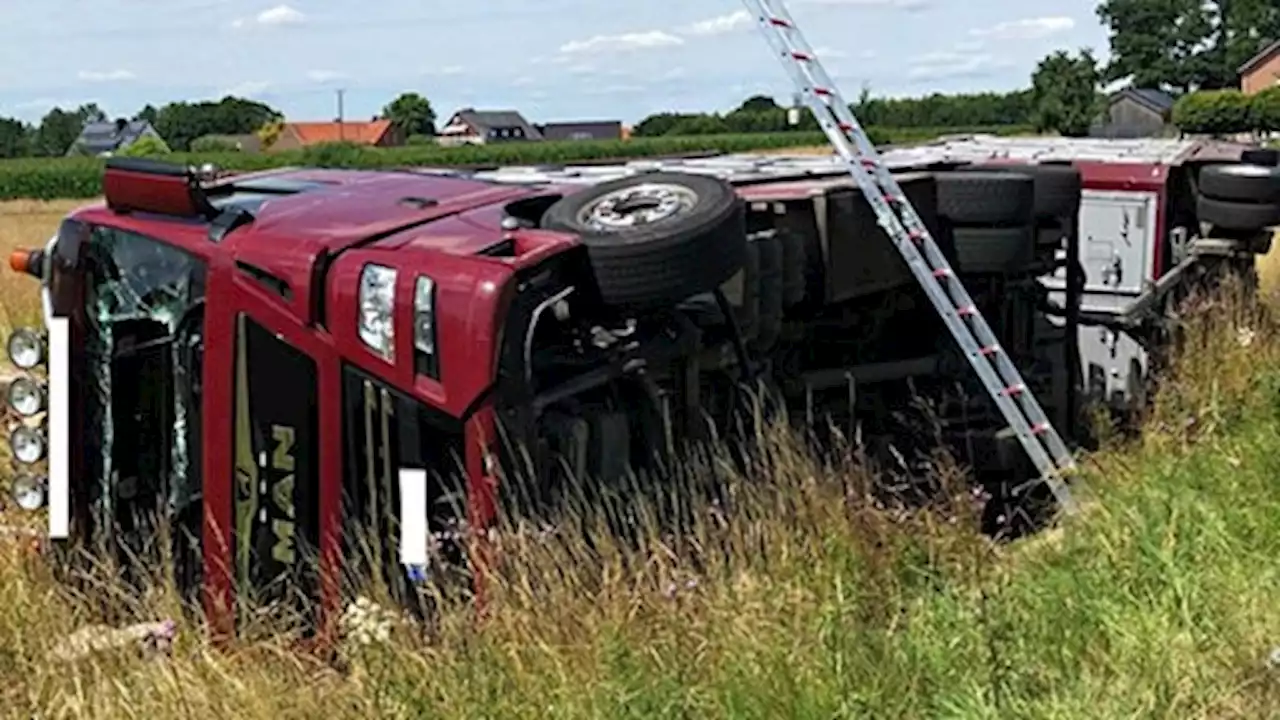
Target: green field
{"points": [[60, 178]]}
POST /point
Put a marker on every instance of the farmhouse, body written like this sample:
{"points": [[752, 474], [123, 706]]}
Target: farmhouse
{"points": [[477, 127], [375, 133], [111, 136], [1262, 71], [1136, 113]]}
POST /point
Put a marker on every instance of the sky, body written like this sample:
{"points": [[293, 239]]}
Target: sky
{"points": [[554, 60]]}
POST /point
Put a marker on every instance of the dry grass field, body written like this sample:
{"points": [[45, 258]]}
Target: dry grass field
{"points": [[1159, 601]]}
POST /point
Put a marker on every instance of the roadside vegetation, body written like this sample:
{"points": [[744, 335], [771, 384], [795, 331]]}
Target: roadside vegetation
{"points": [[811, 602], [81, 177]]}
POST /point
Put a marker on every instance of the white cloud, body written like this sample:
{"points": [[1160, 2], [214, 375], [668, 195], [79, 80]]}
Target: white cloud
{"points": [[1026, 29], [323, 76], [625, 41], [276, 16], [247, 89], [523, 81], [721, 25], [105, 75], [281, 15], [948, 65], [828, 53]]}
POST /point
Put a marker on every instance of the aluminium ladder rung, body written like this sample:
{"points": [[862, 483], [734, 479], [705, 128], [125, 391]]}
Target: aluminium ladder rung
{"points": [[905, 228]]}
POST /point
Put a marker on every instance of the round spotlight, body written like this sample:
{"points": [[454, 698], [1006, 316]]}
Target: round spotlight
{"points": [[26, 396], [27, 445], [26, 348], [30, 491]]}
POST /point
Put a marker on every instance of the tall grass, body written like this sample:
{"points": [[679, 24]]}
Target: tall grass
{"points": [[807, 599], [802, 596]]}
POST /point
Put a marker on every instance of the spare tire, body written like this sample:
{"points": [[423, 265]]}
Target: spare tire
{"points": [[1229, 215], [1057, 188], [1241, 183], [1268, 157], [658, 238], [986, 198], [997, 250]]}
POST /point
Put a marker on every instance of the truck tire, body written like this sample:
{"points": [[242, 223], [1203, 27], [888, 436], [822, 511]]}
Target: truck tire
{"points": [[1241, 183], [1057, 188], [994, 249], [1267, 157], [986, 198], [696, 241], [1230, 215]]}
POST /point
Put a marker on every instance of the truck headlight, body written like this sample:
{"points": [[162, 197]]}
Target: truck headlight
{"points": [[25, 396], [377, 298], [30, 491], [424, 326], [26, 348], [27, 445]]}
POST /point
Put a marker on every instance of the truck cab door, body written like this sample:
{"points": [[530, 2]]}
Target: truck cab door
{"points": [[277, 462]]}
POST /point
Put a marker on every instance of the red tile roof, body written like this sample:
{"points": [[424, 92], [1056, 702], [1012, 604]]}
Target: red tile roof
{"points": [[365, 133]]}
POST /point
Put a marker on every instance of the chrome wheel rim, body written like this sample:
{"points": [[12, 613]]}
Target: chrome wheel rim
{"points": [[637, 206]]}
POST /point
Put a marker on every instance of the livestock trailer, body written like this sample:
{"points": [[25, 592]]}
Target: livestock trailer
{"points": [[271, 361]]}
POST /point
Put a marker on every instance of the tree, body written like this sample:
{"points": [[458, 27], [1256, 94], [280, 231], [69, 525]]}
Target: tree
{"points": [[145, 146], [411, 114], [1065, 93], [1185, 45], [1264, 110], [180, 122], [1214, 112], [148, 113], [269, 133], [758, 103], [58, 129], [15, 138], [90, 113]]}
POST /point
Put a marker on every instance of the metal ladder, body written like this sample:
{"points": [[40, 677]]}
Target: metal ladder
{"points": [[899, 219]]}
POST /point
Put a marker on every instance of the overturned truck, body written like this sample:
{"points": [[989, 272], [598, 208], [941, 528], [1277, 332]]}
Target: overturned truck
{"points": [[267, 362]]}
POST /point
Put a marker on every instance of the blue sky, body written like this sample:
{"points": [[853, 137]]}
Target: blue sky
{"points": [[551, 59]]}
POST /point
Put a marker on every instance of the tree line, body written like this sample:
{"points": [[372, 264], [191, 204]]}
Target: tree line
{"points": [[760, 113], [183, 125], [1179, 46]]}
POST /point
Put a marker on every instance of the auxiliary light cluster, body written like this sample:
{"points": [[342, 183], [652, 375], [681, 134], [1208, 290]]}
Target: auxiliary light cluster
{"points": [[27, 399]]}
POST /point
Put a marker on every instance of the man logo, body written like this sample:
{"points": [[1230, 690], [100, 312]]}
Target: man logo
{"points": [[283, 463]]}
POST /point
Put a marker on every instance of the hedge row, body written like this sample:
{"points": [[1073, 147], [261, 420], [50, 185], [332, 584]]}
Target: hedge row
{"points": [[1228, 112], [78, 178]]}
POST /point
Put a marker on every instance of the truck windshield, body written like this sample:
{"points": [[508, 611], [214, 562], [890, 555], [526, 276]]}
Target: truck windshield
{"points": [[144, 320]]}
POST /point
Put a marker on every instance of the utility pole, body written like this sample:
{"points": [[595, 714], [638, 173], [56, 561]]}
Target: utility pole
{"points": [[341, 135]]}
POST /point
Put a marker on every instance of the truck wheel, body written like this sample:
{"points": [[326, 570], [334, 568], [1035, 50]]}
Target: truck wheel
{"points": [[1230, 215], [985, 198], [994, 249], [658, 238], [1056, 188], [1241, 183]]}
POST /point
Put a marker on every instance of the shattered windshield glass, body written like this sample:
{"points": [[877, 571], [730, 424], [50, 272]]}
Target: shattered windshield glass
{"points": [[144, 315]]}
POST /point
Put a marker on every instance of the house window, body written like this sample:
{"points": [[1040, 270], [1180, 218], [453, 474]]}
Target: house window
{"points": [[517, 132]]}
